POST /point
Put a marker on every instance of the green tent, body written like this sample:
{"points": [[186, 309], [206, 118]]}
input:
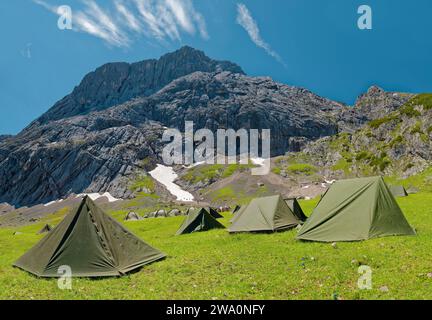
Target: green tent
{"points": [[91, 243], [267, 214], [46, 228], [238, 213], [236, 209], [214, 213], [398, 191], [295, 207], [199, 220], [412, 190], [353, 210]]}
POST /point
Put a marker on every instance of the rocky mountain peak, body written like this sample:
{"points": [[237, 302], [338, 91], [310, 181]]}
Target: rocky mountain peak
{"points": [[374, 90], [377, 103], [116, 83]]}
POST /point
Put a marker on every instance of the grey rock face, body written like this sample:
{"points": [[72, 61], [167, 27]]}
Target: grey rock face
{"points": [[235, 101], [98, 152], [115, 83], [377, 103], [74, 156]]}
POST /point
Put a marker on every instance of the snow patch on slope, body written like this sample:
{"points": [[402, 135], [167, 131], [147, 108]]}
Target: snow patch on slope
{"points": [[95, 196], [52, 202], [258, 161], [166, 176]]}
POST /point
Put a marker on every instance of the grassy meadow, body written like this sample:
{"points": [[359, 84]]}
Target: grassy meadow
{"points": [[216, 265]]}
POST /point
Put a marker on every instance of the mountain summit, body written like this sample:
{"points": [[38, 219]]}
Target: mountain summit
{"points": [[115, 83]]}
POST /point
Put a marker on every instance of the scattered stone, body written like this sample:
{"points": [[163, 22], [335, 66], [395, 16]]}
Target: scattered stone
{"points": [[429, 275], [355, 262], [384, 289]]}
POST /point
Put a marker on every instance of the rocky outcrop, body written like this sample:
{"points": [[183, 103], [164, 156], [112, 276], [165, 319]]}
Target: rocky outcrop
{"points": [[374, 104], [396, 143], [377, 103]]}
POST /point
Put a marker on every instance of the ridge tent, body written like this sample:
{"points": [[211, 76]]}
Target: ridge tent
{"points": [[132, 216], [353, 210], [91, 243], [214, 213], [199, 220], [398, 191], [264, 215], [46, 228], [413, 190], [295, 207], [237, 208], [238, 214]]}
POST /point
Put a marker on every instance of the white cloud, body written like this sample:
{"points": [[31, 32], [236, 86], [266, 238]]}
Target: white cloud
{"points": [[129, 18], [245, 19], [119, 21]]}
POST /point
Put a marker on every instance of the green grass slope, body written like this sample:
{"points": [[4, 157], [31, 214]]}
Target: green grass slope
{"points": [[216, 265]]}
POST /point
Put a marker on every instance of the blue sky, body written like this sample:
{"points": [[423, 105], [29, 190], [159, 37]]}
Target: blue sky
{"points": [[309, 43]]}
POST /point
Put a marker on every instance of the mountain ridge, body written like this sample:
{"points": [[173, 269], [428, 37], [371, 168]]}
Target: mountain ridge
{"points": [[104, 147], [117, 82]]}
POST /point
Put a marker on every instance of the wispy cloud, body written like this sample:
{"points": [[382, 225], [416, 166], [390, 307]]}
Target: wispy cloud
{"points": [[245, 19], [118, 22]]}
